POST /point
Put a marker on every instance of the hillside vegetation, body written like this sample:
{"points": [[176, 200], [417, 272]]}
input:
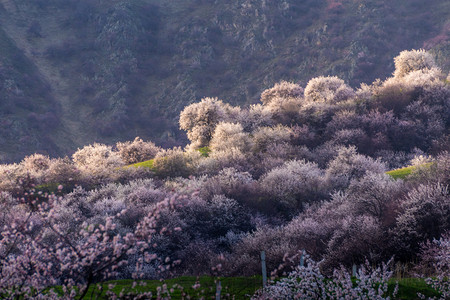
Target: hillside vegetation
{"points": [[301, 176], [78, 72]]}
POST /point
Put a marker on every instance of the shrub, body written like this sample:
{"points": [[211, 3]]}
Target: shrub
{"points": [[13, 178], [345, 119], [142, 191], [227, 135], [436, 172], [137, 151], [312, 229], [430, 81], [325, 153], [414, 60], [195, 221], [174, 162], [199, 257], [349, 137], [374, 194], [276, 155], [231, 183], [408, 134], [440, 144], [350, 165], [246, 252], [376, 122], [338, 233], [186, 186], [428, 118], [327, 89], [393, 94], [137, 197], [266, 137], [317, 114], [97, 160], [425, 214], [285, 110], [231, 157], [283, 102], [357, 238], [255, 116], [213, 219], [395, 159], [303, 135], [307, 282], [62, 170], [295, 183], [200, 119], [36, 163], [283, 90], [435, 255], [39, 251]]}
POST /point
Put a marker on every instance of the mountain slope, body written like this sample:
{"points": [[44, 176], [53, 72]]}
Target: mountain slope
{"points": [[111, 70]]}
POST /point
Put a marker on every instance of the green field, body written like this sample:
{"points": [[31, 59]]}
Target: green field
{"points": [[232, 288]]}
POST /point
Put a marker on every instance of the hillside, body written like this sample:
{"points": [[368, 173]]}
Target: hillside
{"points": [[301, 176], [78, 72]]}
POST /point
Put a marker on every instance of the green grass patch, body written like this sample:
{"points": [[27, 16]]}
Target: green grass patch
{"points": [[405, 172], [401, 173], [145, 164], [48, 188], [409, 287], [149, 163], [232, 287], [52, 188], [204, 151], [239, 287]]}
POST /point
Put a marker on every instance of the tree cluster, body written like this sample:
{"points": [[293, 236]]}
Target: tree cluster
{"points": [[303, 170]]}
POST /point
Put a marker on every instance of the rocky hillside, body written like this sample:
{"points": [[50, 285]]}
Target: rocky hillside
{"points": [[77, 71]]}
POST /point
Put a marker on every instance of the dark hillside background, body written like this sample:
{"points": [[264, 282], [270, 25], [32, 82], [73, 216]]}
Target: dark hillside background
{"points": [[74, 72]]}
